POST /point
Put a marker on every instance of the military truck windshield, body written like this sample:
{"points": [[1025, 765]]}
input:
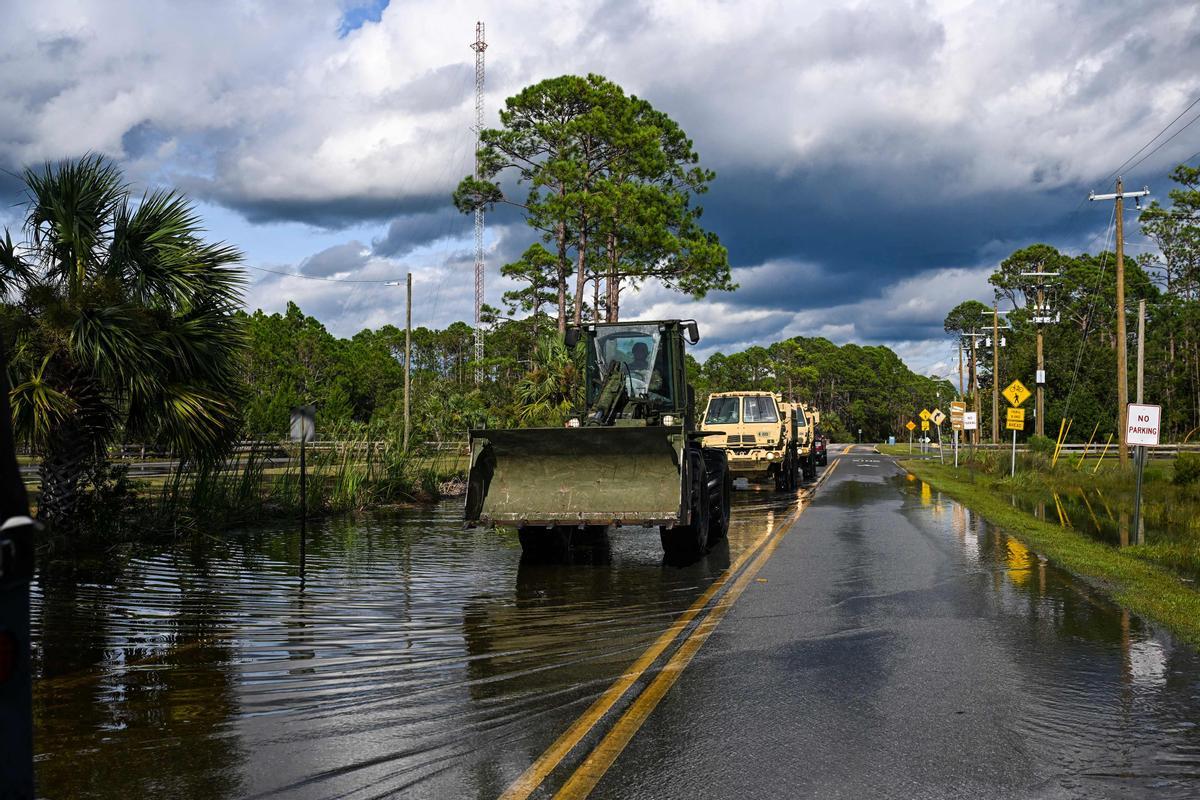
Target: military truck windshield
{"points": [[721, 411], [760, 409], [636, 347]]}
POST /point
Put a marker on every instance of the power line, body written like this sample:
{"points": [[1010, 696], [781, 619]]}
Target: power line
{"points": [[1164, 142], [1167, 127], [318, 277]]}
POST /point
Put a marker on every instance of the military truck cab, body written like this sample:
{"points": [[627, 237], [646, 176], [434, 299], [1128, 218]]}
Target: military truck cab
{"points": [[758, 432]]}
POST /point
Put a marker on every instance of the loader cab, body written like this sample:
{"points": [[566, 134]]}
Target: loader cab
{"points": [[650, 357]]}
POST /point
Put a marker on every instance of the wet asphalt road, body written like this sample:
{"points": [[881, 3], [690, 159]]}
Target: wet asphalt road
{"points": [[899, 647]]}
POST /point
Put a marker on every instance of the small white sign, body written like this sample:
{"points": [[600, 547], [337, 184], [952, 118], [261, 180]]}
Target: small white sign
{"points": [[1142, 425], [970, 421], [1041, 376]]}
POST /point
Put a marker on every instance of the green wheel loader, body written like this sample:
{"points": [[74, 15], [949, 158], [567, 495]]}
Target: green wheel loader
{"points": [[632, 455]]}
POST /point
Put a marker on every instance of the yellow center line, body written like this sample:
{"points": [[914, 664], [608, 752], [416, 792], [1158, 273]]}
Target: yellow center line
{"points": [[533, 776], [589, 773]]}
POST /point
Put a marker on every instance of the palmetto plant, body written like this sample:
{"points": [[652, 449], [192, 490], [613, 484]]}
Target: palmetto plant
{"points": [[119, 320], [545, 393]]}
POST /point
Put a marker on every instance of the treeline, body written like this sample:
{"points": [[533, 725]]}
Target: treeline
{"points": [[530, 378], [1080, 344]]}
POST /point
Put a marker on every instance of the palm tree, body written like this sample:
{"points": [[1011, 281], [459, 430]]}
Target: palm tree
{"points": [[119, 319], [545, 393]]}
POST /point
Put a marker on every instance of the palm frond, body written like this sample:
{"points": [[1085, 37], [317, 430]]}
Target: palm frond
{"points": [[38, 407]]}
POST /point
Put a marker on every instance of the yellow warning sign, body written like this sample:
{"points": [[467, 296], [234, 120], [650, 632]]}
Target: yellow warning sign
{"points": [[911, 425], [1015, 420], [924, 424], [925, 415], [1016, 393]]}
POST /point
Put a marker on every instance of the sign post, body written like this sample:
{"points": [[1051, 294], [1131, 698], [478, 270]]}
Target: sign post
{"points": [[1016, 394], [937, 418], [303, 429], [957, 409], [1142, 430], [1015, 422]]}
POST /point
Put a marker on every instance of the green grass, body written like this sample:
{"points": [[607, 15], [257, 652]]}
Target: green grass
{"points": [[1138, 578]]}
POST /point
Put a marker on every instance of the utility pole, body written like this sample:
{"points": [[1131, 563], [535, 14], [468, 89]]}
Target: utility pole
{"points": [[407, 358], [961, 392], [1122, 355], [1041, 317], [975, 383], [479, 45], [995, 374], [1139, 527]]}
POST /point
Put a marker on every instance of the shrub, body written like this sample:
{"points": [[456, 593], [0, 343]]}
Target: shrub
{"points": [[1187, 469], [1042, 445]]}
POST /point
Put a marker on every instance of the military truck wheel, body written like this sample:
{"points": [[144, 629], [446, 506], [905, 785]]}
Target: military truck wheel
{"points": [[719, 511], [540, 543], [689, 542]]}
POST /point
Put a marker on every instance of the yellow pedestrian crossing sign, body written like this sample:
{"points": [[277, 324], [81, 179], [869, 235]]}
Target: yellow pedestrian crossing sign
{"points": [[925, 415], [911, 425], [1016, 393]]}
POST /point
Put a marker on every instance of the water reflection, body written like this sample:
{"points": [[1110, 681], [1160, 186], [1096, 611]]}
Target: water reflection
{"points": [[1115, 699], [407, 652]]}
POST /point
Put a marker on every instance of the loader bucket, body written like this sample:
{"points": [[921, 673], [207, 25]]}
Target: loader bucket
{"points": [[575, 476]]}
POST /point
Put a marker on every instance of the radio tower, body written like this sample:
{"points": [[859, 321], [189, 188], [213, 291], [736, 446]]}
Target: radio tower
{"points": [[479, 45]]}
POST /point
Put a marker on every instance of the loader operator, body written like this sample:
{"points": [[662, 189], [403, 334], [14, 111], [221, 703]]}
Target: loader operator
{"points": [[645, 381]]}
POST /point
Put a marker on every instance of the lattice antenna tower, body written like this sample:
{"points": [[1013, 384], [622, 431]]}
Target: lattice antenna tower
{"points": [[479, 45]]}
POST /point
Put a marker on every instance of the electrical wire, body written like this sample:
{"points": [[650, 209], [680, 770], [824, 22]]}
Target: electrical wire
{"points": [[1166, 141], [1087, 320], [319, 278], [1166, 128]]}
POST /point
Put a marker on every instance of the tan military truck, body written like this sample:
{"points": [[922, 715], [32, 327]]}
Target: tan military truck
{"points": [[759, 433], [807, 420]]}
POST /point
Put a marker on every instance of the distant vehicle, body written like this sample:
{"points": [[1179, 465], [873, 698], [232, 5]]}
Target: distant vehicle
{"points": [[807, 420], [763, 436], [821, 449], [633, 456]]}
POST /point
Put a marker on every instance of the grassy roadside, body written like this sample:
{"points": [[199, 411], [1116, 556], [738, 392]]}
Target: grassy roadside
{"points": [[1147, 589]]}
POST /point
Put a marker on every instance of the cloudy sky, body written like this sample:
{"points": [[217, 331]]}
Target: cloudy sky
{"points": [[874, 159]]}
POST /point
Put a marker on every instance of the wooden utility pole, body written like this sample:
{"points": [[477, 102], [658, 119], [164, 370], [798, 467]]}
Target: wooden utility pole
{"points": [[1041, 316], [1141, 348], [995, 374], [961, 392], [407, 357], [1039, 405], [1122, 354], [975, 383]]}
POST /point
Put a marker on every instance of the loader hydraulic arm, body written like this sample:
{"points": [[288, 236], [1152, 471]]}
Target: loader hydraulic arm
{"points": [[612, 398]]}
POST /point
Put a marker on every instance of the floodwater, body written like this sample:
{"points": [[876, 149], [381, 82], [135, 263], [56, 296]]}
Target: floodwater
{"points": [[413, 656], [1099, 686]]}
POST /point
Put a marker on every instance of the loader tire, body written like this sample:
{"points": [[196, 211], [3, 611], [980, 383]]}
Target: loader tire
{"points": [[720, 509], [686, 543], [541, 544]]}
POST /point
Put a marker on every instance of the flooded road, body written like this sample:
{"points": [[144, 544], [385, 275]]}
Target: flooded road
{"points": [[414, 657], [892, 645]]}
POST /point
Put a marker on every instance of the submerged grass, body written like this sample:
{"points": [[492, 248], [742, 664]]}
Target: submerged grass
{"points": [[1141, 578], [353, 475]]}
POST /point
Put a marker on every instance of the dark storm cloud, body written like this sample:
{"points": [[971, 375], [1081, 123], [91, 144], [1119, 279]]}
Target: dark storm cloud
{"points": [[798, 242], [346, 257], [410, 231]]}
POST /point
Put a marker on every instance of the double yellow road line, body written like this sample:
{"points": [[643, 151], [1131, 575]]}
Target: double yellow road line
{"points": [[588, 774]]}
